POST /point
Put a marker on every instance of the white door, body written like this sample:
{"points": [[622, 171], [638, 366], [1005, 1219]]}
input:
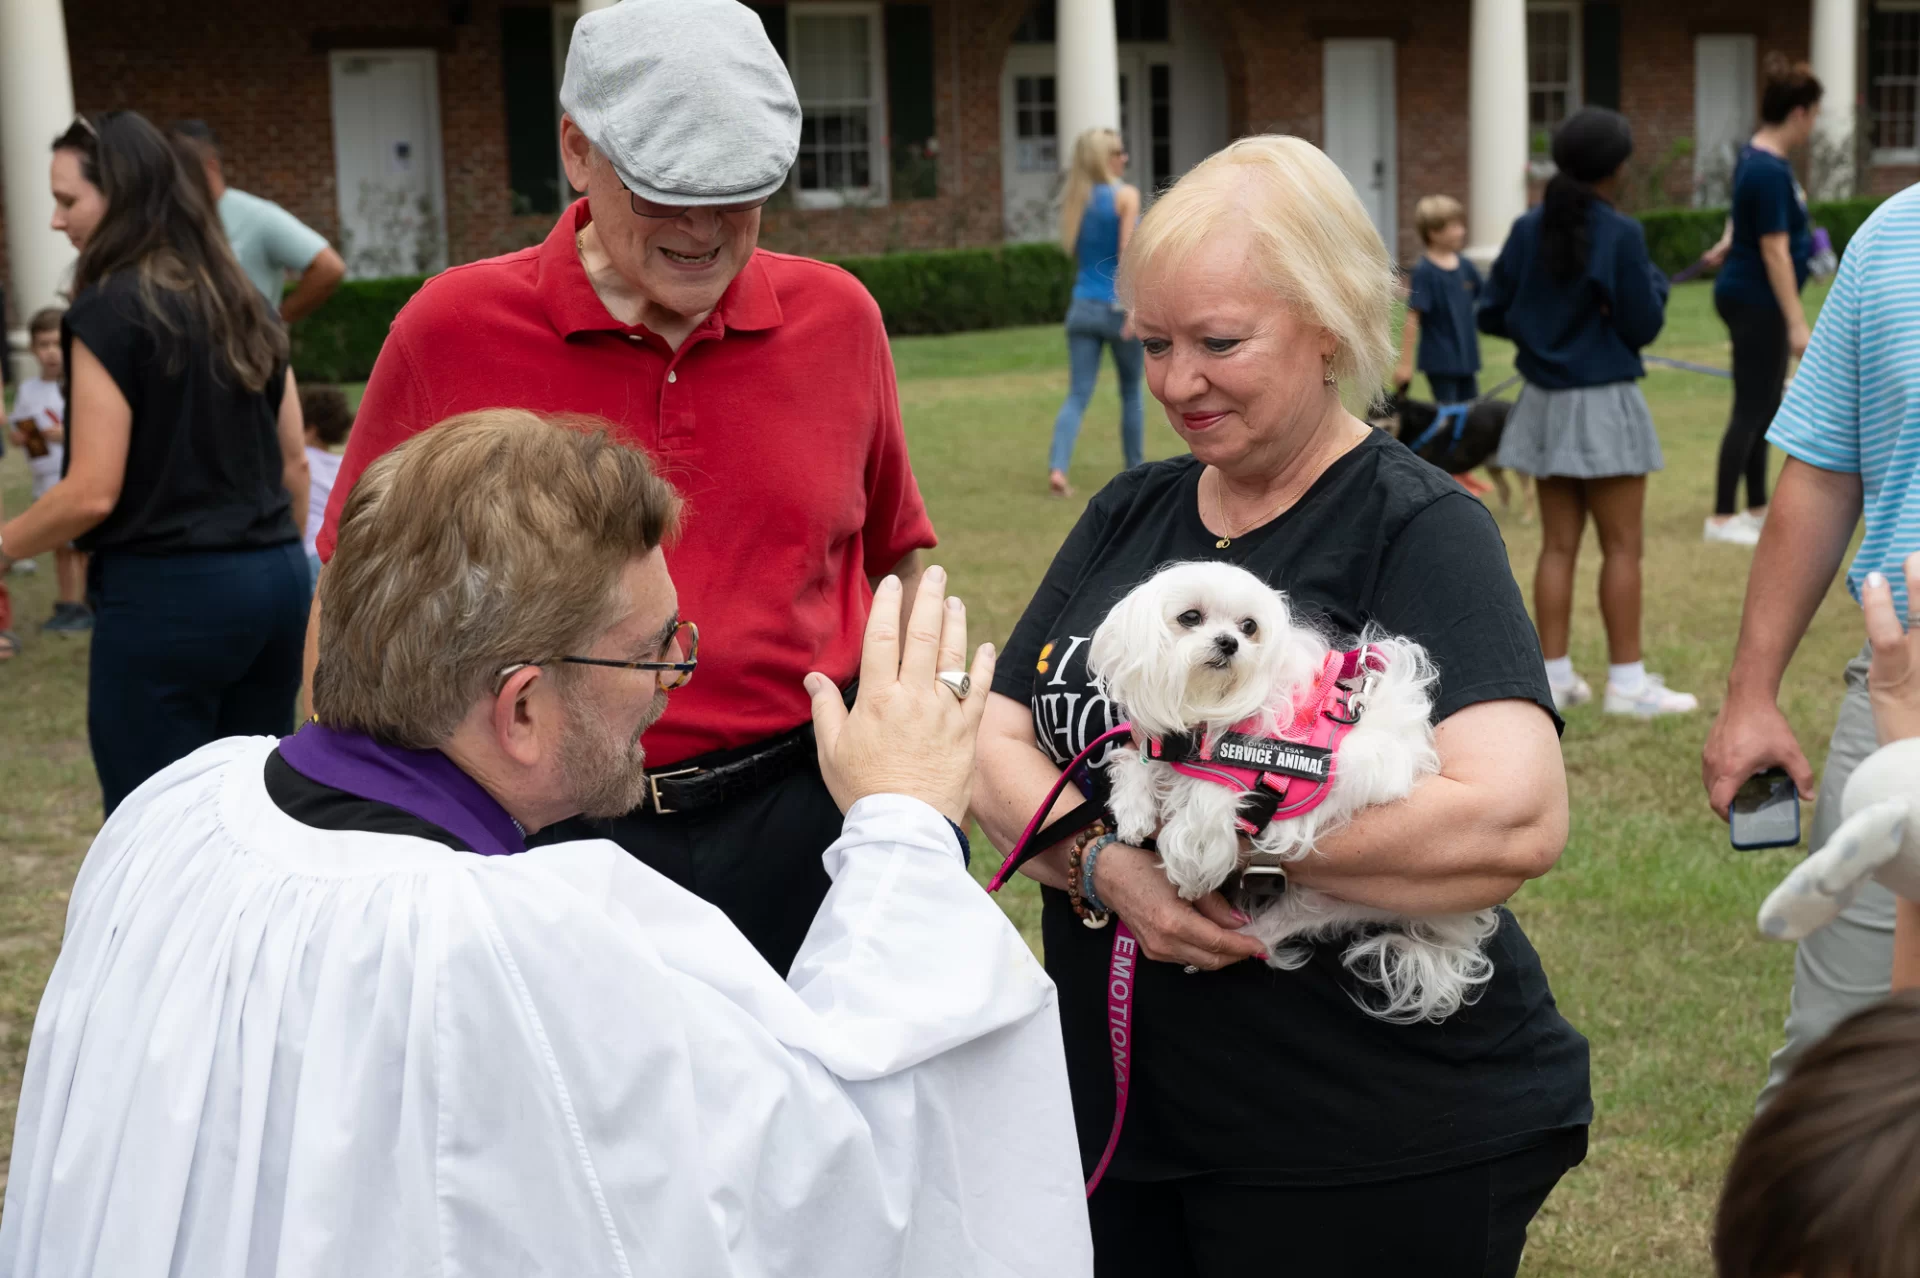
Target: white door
{"points": [[1723, 111], [1360, 124], [386, 155], [1029, 143]]}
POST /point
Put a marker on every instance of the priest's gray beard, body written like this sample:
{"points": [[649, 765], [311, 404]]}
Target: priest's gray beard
{"points": [[608, 776]]}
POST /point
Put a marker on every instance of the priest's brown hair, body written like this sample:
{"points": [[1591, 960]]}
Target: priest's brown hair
{"points": [[494, 538], [1826, 1182]]}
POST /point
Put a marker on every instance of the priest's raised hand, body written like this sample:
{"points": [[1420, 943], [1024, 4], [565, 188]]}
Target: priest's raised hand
{"points": [[908, 732]]}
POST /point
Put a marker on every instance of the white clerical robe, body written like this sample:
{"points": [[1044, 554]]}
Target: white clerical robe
{"points": [[268, 1049]]}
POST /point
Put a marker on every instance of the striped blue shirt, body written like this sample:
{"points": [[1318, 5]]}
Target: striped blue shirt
{"points": [[1854, 406]]}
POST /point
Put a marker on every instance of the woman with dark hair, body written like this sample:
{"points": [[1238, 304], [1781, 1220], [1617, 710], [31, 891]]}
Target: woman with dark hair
{"points": [[1763, 258], [186, 475], [1578, 296]]}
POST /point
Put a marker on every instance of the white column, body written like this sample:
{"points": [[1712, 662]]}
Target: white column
{"points": [[1496, 124], [1086, 72], [1835, 46], [36, 106]]}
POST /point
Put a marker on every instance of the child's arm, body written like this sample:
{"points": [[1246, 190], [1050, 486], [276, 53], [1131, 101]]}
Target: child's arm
{"points": [[1409, 343]]}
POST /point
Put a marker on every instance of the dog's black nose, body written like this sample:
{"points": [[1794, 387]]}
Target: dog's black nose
{"points": [[1226, 643]]}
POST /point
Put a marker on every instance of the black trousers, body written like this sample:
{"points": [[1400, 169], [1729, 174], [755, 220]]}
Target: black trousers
{"points": [[756, 858], [188, 649], [1470, 1222], [1759, 374]]}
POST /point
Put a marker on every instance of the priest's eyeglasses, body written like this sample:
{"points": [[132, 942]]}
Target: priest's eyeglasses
{"points": [[686, 637]]}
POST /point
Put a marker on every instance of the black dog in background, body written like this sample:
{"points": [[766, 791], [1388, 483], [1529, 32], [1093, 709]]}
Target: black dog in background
{"points": [[1456, 447]]}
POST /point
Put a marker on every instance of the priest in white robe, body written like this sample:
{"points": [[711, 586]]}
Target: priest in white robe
{"points": [[321, 1011]]}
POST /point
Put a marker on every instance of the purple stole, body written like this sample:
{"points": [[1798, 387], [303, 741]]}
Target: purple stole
{"points": [[422, 783]]}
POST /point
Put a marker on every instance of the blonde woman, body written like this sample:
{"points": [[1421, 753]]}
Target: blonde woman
{"points": [[1271, 1120], [1097, 214]]}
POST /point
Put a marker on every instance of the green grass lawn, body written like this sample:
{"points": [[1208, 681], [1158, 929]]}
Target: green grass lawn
{"points": [[1646, 927]]}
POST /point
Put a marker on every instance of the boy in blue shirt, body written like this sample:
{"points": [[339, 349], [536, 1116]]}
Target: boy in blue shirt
{"points": [[1441, 296]]}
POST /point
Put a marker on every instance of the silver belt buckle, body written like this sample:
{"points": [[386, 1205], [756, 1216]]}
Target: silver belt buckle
{"points": [[653, 784]]}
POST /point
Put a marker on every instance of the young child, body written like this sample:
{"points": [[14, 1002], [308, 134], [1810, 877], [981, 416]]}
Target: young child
{"points": [[1826, 1182], [1441, 295], [39, 422], [328, 419]]}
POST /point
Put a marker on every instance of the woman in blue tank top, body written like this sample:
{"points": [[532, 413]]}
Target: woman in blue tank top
{"points": [[1097, 215]]}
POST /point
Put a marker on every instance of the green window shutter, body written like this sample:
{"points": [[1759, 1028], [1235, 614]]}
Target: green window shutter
{"points": [[533, 128], [1600, 54], [909, 33]]}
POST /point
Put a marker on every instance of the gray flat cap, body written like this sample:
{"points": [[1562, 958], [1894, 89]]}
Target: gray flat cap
{"points": [[686, 97]]}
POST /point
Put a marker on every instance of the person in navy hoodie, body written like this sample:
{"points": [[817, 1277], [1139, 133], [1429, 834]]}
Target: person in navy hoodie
{"points": [[1763, 259], [1576, 293]]}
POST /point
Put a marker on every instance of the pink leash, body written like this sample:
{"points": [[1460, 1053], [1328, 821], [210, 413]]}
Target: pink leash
{"points": [[1126, 950]]}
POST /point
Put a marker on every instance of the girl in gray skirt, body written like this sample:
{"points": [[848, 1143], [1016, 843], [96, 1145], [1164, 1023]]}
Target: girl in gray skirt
{"points": [[1576, 293]]}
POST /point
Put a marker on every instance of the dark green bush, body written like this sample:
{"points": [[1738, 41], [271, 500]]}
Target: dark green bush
{"points": [[1675, 237], [955, 290], [338, 342], [941, 292]]}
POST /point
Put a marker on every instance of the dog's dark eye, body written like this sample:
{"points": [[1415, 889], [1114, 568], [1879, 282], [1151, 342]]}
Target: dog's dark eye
{"points": [[1249, 627], [1190, 618]]}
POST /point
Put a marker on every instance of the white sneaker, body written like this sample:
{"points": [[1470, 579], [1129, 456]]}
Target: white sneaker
{"points": [[1577, 693], [1758, 521], [1653, 698], [1736, 531]]}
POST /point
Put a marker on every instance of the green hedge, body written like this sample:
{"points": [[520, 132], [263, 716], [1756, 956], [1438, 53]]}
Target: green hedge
{"points": [[338, 342], [956, 290], [1676, 237], [940, 292]]}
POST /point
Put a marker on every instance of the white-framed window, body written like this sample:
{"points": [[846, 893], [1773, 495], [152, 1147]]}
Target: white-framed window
{"points": [[836, 54], [1553, 72], [1893, 82], [1036, 130]]}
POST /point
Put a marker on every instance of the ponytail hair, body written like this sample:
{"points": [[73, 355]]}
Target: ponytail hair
{"points": [[1589, 147], [1790, 86]]}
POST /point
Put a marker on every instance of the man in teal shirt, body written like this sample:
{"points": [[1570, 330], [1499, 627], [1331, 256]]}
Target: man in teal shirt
{"points": [[269, 241], [1850, 426]]}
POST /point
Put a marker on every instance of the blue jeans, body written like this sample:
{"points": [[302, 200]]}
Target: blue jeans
{"points": [[1091, 325], [188, 649]]}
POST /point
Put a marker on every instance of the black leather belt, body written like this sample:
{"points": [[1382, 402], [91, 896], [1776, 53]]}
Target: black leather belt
{"points": [[695, 786]]}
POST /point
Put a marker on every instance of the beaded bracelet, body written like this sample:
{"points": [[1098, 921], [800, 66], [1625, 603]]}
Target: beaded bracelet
{"points": [[1088, 892], [1076, 881]]}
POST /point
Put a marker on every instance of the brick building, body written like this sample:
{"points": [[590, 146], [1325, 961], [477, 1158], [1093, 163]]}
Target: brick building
{"points": [[416, 132]]}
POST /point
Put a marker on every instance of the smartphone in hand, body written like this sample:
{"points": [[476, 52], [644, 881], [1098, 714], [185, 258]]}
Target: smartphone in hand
{"points": [[1765, 812]]}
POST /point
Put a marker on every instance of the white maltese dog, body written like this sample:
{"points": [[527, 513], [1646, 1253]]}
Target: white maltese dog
{"points": [[1234, 703]]}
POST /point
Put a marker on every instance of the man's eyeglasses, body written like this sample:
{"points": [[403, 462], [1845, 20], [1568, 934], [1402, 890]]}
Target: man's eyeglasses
{"points": [[647, 208], [686, 634]]}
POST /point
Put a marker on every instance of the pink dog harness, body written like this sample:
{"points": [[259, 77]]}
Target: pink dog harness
{"points": [[1266, 767], [1285, 771]]}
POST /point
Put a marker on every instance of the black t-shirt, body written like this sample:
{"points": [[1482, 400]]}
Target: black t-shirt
{"points": [[204, 468], [1277, 1078]]}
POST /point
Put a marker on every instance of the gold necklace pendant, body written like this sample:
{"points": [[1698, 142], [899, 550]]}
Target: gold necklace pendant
{"points": [[1223, 543]]}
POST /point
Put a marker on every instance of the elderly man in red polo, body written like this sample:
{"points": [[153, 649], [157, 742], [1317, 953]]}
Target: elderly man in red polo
{"points": [[760, 383]]}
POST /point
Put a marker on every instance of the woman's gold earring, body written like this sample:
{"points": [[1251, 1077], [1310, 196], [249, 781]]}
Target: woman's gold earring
{"points": [[1328, 379]]}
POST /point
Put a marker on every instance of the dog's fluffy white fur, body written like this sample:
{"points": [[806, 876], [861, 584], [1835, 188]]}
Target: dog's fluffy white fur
{"points": [[1204, 646]]}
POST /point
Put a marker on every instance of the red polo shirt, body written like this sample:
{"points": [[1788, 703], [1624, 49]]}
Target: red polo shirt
{"points": [[777, 420]]}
